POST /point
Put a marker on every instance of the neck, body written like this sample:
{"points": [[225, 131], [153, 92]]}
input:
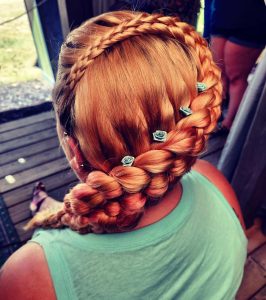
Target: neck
{"points": [[157, 212]]}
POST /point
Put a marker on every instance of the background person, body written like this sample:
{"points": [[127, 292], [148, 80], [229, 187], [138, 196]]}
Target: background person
{"points": [[238, 35]]}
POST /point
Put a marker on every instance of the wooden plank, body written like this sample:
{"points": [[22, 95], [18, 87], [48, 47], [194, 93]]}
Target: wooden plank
{"points": [[23, 235], [59, 193], [21, 212], [261, 294], [34, 174], [24, 131], [30, 162], [254, 279], [27, 151], [52, 182], [255, 236], [26, 121], [260, 257], [28, 140]]}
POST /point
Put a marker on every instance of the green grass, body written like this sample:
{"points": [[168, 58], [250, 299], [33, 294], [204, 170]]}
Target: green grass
{"points": [[17, 50], [200, 23]]}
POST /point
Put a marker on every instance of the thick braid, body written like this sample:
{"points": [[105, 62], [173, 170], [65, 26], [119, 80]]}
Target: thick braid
{"points": [[115, 201], [97, 205], [142, 24]]}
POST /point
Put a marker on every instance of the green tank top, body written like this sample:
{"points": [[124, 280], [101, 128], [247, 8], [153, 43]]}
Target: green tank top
{"points": [[196, 252]]}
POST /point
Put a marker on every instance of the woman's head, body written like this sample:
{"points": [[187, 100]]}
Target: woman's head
{"points": [[121, 77]]}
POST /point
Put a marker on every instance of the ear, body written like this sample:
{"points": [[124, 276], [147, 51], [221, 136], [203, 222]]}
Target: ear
{"points": [[76, 158]]}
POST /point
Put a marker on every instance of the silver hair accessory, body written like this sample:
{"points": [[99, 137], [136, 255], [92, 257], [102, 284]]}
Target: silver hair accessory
{"points": [[201, 87], [185, 111], [127, 161], [159, 136]]}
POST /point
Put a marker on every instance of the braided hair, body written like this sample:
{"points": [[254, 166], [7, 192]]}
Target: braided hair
{"points": [[122, 76]]}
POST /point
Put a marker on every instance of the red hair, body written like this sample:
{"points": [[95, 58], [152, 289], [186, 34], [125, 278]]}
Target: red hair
{"points": [[121, 77]]}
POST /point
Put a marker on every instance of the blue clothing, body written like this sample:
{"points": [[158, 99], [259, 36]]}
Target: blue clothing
{"points": [[196, 252]]}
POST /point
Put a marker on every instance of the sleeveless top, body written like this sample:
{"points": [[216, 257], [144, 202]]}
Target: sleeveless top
{"points": [[197, 251]]}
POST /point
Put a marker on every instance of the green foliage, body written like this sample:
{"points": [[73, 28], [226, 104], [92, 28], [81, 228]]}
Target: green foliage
{"points": [[17, 50]]}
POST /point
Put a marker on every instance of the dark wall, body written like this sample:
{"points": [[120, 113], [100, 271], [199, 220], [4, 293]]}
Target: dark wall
{"points": [[78, 11]]}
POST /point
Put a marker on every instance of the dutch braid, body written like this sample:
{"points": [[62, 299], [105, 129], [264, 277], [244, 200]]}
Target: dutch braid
{"points": [[114, 201]]}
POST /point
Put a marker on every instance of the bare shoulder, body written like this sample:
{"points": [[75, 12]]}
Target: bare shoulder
{"points": [[213, 175], [218, 179], [25, 275]]}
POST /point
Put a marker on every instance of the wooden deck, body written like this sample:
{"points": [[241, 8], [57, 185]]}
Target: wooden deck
{"points": [[29, 152], [253, 285]]}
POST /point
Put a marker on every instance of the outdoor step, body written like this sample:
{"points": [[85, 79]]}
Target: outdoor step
{"points": [[23, 235], [31, 161], [254, 279], [28, 140], [260, 256], [52, 182], [261, 294], [27, 151], [255, 237], [24, 131], [34, 174], [26, 121]]}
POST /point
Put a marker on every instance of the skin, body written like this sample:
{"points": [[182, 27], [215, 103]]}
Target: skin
{"points": [[27, 270], [236, 62]]}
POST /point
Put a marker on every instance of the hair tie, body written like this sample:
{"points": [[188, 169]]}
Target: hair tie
{"points": [[127, 161], [159, 136], [201, 86], [185, 111]]}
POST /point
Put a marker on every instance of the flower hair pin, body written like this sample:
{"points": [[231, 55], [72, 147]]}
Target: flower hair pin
{"points": [[159, 136], [127, 161], [201, 87], [185, 111]]}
